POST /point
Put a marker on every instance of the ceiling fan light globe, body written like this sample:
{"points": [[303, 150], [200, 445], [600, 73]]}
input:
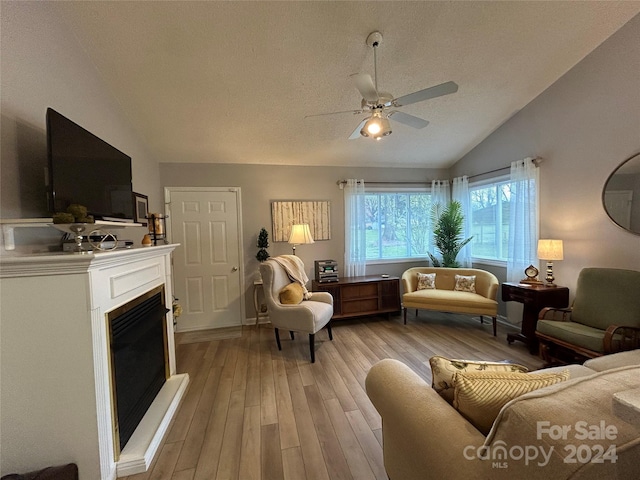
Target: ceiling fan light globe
{"points": [[373, 128], [385, 126]]}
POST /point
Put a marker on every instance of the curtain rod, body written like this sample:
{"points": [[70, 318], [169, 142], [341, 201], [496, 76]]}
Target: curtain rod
{"points": [[342, 183], [536, 161]]}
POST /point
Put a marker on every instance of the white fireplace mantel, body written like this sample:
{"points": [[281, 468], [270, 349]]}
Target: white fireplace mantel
{"points": [[54, 367]]}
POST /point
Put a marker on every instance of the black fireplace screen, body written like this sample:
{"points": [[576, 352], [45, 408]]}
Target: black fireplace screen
{"points": [[138, 359]]}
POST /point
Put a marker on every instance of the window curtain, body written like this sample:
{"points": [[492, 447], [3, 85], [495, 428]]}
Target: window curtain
{"points": [[355, 231], [523, 218], [440, 196], [460, 192]]}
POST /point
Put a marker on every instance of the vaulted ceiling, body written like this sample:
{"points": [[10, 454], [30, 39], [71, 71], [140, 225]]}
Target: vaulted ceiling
{"points": [[232, 82]]}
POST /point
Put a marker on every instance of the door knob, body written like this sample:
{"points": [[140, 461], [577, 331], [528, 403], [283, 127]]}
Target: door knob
{"points": [[234, 269]]}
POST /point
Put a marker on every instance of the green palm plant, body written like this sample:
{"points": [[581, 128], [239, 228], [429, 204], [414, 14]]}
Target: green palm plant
{"points": [[448, 234]]}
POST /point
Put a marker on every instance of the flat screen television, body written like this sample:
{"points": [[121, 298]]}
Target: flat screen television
{"points": [[86, 170]]}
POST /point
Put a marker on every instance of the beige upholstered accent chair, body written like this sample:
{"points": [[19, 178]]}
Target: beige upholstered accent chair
{"points": [[308, 316], [604, 318]]}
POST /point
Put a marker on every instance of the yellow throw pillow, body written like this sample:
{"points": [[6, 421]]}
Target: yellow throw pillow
{"points": [[465, 283], [479, 396], [426, 281], [444, 370], [291, 294]]}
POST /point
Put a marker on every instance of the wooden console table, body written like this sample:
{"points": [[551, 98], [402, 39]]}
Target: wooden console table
{"points": [[534, 298], [360, 296]]}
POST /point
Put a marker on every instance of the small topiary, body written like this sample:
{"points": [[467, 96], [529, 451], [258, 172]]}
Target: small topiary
{"points": [[263, 244]]}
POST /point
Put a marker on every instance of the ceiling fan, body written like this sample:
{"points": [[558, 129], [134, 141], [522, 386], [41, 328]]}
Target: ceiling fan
{"points": [[381, 106]]}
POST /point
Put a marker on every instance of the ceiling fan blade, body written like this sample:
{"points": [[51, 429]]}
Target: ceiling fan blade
{"points": [[353, 112], [356, 132], [366, 87], [407, 119], [426, 94]]}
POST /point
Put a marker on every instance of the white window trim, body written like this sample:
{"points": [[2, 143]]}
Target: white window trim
{"points": [[493, 262], [489, 181], [386, 261]]}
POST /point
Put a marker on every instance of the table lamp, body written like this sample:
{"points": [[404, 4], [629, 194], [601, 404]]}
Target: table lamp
{"points": [[300, 235], [550, 250]]}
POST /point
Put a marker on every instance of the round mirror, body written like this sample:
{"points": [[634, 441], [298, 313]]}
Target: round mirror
{"points": [[621, 195]]}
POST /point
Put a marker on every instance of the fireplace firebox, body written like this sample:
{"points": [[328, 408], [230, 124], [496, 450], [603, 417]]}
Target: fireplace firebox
{"points": [[139, 360]]}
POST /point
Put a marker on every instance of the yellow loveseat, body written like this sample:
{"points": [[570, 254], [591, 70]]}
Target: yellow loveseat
{"points": [[443, 298]]}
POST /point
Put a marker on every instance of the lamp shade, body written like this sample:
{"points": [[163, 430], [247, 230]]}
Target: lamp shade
{"points": [[300, 234], [550, 249]]}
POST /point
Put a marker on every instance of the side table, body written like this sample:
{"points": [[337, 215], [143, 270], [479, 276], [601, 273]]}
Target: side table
{"points": [[259, 307], [534, 298]]}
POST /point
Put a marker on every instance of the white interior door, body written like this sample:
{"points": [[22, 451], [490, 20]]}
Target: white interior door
{"points": [[207, 270]]}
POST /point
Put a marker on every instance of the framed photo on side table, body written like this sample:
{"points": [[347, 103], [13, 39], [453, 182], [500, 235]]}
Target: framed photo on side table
{"points": [[141, 208]]}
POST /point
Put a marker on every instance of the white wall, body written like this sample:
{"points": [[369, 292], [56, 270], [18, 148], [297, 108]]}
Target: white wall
{"points": [[584, 126], [43, 66]]}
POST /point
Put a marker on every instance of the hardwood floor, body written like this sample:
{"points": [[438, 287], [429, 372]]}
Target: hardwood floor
{"points": [[253, 412]]}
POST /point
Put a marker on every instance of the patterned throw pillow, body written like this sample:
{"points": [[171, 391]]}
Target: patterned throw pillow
{"points": [[465, 283], [444, 372], [479, 396], [426, 281], [292, 294]]}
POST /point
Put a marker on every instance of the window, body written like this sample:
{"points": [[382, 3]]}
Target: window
{"points": [[397, 224], [490, 220]]}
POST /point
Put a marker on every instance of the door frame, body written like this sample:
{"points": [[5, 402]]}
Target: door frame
{"points": [[237, 191]]}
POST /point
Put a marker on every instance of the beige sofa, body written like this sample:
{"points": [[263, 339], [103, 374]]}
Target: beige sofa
{"points": [[445, 299], [425, 437]]}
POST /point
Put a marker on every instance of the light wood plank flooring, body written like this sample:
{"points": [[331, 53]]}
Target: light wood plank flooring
{"points": [[253, 412]]}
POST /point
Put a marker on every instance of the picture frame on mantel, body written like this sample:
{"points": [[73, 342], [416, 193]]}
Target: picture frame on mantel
{"points": [[141, 208]]}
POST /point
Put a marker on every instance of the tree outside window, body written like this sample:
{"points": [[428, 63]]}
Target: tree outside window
{"points": [[490, 220], [397, 224]]}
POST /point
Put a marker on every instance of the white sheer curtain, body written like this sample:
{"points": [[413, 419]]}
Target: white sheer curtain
{"points": [[523, 218], [440, 197], [354, 229], [460, 192]]}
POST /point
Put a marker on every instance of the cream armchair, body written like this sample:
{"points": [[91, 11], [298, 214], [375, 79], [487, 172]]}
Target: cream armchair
{"points": [[309, 316], [424, 437]]}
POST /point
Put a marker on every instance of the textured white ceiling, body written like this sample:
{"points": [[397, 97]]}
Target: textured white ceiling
{"points": [[232, 82]]}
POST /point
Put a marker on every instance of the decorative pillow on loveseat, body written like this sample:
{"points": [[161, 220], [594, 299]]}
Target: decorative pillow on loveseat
{"points": [[465, 283], [426, 281], [292, 294], [444, 370], [479, 396]]}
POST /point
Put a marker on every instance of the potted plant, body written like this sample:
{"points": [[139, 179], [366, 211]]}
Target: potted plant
{"points": [[263, 244], [448, 234]]}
